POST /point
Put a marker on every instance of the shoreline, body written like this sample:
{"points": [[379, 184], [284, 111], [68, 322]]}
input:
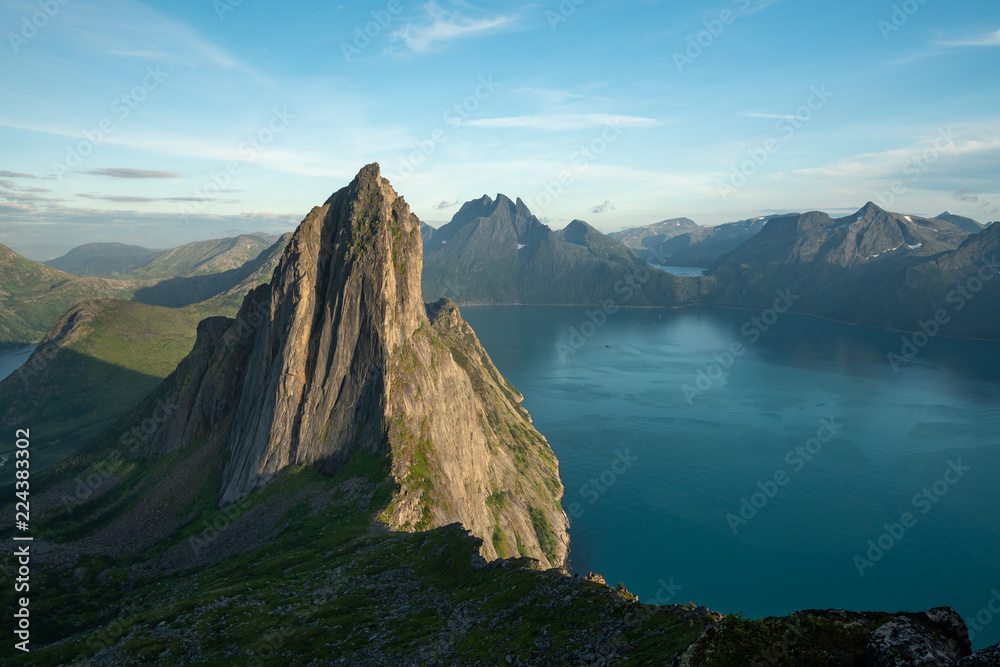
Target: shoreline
{"points": [[740, 308]]}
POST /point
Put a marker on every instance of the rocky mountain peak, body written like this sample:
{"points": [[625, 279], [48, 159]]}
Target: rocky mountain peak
{"points": [[339, 356]]}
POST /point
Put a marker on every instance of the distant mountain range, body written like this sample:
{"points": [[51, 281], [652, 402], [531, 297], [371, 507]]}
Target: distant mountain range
{"points": [[872, 267], [704, 245], [117, 260], [496, 251], [33, 295], [653, 235]]}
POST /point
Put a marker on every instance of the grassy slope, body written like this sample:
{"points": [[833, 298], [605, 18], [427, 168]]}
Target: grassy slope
{"points": [[203, 258], [33, 296], [75, 390], [331, 583]]}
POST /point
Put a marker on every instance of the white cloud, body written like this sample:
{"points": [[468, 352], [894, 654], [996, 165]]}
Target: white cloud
{"points": [[562, 121], [446, 26], [992, 39]]}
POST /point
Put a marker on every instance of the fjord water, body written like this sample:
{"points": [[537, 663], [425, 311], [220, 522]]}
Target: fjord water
{"points": [[651, 476], [12, 360]]}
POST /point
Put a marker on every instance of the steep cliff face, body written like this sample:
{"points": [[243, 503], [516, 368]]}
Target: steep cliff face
{"points": [[339, 354]]}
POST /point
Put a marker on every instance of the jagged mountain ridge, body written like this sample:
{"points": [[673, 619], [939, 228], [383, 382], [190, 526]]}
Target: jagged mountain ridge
{"points": [[649, 236], [703, 246], [873, 267], [498, 252], [338, 355]]}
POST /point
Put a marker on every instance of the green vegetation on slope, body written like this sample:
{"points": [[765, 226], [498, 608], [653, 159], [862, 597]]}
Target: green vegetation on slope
{"points": [[101, 359], [33, 296], [300, 572]]}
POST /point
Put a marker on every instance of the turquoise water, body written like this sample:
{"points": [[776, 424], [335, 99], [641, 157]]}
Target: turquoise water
{"points": [[655, 482]]}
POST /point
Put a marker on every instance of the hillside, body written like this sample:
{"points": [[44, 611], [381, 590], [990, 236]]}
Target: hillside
{"points": [[963, 223], [496, 251], [104, 260], [204, 257], [33, 296], [216, 293], [95, 364]]}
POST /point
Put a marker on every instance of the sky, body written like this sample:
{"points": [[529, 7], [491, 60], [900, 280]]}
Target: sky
{"points": [[161, 123]]}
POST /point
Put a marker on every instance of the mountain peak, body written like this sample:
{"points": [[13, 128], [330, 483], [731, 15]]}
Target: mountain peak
{"points": [[337, 358], [869, 208]]}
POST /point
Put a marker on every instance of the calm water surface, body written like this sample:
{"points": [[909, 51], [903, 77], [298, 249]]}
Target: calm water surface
{"points": [[14, 359], [670, 521]]}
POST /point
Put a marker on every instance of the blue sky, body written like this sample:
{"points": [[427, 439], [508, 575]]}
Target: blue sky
{"points": [[159, 123]]}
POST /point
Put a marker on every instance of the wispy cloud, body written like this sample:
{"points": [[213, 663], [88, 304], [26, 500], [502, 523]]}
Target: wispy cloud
{"points": [[562, 121], [127, 199], [774, 116], [15, 174], [445, 26], [446, 204], [991, 39], [601, 208], [131, 173]]}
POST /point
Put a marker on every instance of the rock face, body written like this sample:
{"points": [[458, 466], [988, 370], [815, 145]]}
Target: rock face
{"points": [[940, 641], [934, 638], [339, 355]]}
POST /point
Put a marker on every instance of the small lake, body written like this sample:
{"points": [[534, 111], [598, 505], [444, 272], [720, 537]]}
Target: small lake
{"points": [[803, 472], [11, 360], [684, 271]]}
